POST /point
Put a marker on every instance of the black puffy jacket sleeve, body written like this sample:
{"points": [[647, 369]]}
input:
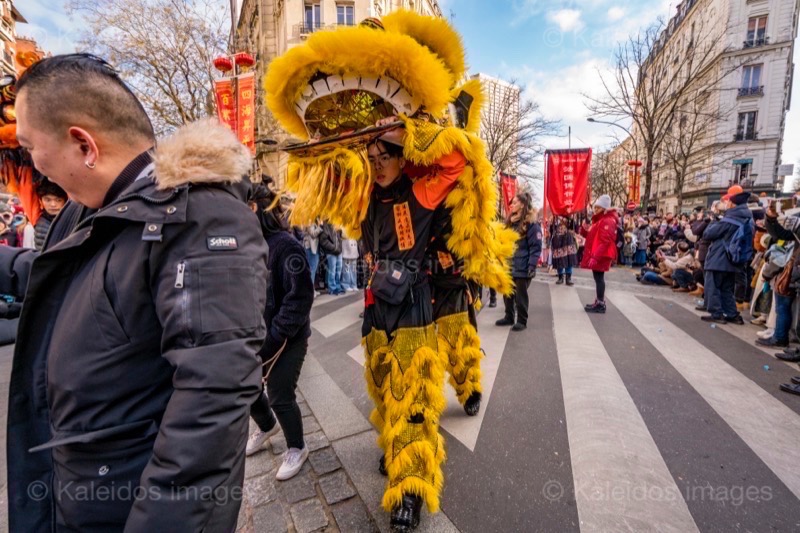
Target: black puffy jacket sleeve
{"points": [[210, 306]]}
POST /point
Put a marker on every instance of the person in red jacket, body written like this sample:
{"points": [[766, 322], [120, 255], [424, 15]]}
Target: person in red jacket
{"points": [[601, 249]]}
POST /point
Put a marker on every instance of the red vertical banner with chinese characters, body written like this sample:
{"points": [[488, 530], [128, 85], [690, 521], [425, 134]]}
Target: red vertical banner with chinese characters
{"points": [[567, 184], [226, 103], [508, 184], [246, 113], [634, 180]]}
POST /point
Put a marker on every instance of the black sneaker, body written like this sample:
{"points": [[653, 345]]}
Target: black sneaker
{"points": [[492, 303], [792, 389], [738, 320], [405, 517], [712, 318], [505, 321], [382, 466], [519, 327], [473, 404], [772, 343], [796, 380], [789, 358], [560, 280], [597, 307]]}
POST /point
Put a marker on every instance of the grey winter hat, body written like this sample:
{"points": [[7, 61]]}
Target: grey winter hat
{"points": [[603, 202]]}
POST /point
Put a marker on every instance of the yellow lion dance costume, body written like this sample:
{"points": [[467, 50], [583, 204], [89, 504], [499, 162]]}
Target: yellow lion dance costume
{"points": [[330, 92]]}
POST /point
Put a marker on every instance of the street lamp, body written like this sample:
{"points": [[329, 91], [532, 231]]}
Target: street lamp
{"points": [[623, 128], [635, 163]]}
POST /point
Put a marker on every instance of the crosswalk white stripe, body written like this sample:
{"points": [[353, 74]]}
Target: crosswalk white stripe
{"points": [[342, 318], [770, 428], [747, 334], [323, 299], [621, 480]]}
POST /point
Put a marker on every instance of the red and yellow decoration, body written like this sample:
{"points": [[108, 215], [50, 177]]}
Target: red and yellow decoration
{"points": [[236, 96]]}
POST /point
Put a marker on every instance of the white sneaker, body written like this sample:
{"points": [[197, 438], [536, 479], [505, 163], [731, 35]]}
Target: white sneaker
{"points": [[258, 439], [766, 334], [316, 293], [293, 460]]}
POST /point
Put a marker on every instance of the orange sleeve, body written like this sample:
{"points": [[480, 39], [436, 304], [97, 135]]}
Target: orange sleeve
{"points": [[431, 190]]}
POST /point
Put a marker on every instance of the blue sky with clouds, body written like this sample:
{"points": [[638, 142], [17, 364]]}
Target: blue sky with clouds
{"points": [[554, 48]]}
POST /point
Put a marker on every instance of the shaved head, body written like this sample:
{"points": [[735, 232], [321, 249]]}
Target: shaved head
{"points": [[81, 90]]}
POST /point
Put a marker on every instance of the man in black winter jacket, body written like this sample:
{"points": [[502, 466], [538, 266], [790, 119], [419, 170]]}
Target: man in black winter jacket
{"points": [[136, 367]]}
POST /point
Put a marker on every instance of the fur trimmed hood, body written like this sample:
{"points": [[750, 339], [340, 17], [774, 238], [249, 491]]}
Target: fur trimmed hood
{"points": [[204, 151]]}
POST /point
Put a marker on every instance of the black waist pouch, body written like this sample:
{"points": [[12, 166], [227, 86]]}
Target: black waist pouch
{"points": [[391, 282]]}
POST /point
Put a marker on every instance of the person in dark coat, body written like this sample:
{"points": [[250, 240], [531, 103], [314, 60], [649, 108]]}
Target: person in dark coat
{"points": [[290, 295], [564, 250], [720, 271], [600, 249], [526, 257], [129, 399]]}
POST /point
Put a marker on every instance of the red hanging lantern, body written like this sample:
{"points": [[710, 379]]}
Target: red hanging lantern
{"points": [[634, 163], [243, 59], [223, 64]]}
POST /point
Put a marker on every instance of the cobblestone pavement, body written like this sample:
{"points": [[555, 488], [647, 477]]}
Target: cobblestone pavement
{"points": [[319, 498]]}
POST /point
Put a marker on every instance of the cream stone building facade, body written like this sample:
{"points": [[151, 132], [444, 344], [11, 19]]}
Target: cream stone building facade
{"points": [[268, 28], [747, 86], [9, 17]]}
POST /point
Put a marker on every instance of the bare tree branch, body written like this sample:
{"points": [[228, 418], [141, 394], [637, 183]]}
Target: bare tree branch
{"points": [[656, 73], [162, 48]]}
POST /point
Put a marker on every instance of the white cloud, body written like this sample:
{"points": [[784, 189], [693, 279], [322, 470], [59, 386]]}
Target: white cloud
{"points": [[49, 25], [615, 14], [566, 19]]}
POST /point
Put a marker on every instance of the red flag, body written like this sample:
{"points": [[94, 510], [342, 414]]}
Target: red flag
{"points": [[223, 91], [567, 187], [246, 112], [509, 188]]}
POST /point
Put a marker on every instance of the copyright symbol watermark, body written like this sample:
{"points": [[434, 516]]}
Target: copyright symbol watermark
{"points": [[553, 490], [37, 491], [553, 37]]}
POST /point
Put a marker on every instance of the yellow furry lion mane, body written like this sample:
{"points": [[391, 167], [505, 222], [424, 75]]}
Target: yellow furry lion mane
{"points": [[426, 56]]}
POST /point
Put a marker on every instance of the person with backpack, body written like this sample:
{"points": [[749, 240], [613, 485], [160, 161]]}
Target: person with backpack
{"points": [[330, 240], [731, 248]]}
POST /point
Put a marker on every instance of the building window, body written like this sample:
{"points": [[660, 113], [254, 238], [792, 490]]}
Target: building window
{"points": [[756, 32], [751, 81], [741, 174], [746, 127], [313, 17], [345, 15]]}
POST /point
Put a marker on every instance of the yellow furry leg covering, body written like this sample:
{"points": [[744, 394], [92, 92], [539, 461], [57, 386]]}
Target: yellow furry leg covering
{"points": [[460, 348], [405, 378]]}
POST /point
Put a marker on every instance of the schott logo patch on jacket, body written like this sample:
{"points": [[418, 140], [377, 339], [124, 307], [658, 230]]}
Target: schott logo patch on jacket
{"points": [[222, 243]]}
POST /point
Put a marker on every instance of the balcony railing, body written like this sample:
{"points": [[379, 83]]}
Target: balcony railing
{"points": [[739, 137], [302, 30], [751, 91], [6, 32], [755, 43]]}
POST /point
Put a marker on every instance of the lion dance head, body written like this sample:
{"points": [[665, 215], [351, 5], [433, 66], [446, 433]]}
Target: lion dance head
{"points": [[330, 91]]}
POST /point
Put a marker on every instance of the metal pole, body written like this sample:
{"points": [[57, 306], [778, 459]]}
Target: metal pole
{"points": [[569, 136]]}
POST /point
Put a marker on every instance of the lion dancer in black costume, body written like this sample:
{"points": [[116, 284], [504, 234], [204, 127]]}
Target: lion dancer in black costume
{"points": [[403, 368], [456, 302]]}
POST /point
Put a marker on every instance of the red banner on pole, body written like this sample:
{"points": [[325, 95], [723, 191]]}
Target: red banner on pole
{"points": [[508, 185], [226, 103], [246, 113], [567, 184]]}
